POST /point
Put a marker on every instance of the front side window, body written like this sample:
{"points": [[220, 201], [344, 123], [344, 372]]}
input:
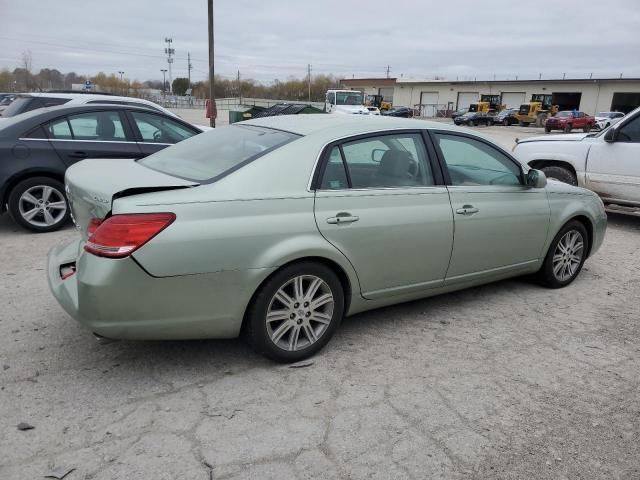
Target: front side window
{"points": [[380, 162], [159, 129], [630, 131], [472, 162], [212, 154]]}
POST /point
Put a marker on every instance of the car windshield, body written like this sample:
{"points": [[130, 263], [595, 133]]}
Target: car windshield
{"points": [[604, 114], [205, 157], [19, 105], [564, 114], [349, 98]]}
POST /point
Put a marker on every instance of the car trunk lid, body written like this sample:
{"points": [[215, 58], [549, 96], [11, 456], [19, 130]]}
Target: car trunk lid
{"points": [[92, 185]]}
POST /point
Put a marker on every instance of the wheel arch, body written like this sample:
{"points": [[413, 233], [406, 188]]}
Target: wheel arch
{"points": [[538, 164], [588, 225]]}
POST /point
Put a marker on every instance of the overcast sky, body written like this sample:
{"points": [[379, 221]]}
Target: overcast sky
{"points": [[278, 38]]}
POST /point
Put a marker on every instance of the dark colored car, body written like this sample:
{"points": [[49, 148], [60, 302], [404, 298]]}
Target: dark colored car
{"points": [[473, 118], [505, 117], [567, 120], [37, 147], [459, 113], [405, 112]]}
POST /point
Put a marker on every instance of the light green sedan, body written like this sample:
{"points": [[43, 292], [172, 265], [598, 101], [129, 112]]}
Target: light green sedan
{"points": [[279, 227]]}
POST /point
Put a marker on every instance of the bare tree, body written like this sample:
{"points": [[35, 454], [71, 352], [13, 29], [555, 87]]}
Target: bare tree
{"points": [[26, 64]]}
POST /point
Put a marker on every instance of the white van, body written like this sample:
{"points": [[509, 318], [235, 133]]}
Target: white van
{"points": [[345, 101]]}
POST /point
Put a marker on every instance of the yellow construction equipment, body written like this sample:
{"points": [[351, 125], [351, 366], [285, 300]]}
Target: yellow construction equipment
{"points": [[377, 101], [536, 111]]}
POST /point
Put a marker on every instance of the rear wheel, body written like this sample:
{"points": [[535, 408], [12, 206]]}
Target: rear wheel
{"points": [[567, 128], [587, 128], [565, 257], [561, 174], [505, 122], [296, 312], [39, 204], [547, 129]]}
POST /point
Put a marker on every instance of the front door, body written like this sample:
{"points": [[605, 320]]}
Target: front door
{"points": [[613, 169], [98, 134], [378, 202], [500, 224]]}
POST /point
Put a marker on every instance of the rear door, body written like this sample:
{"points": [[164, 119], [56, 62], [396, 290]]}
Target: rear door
{"points": [[97, 134], [500, 224], [613, 169], [157, 131], [381, 202]]}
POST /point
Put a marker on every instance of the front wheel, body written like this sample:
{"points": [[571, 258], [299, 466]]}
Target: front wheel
{"points": [[567, 128], [565, 257], [38, 204], [296, 312], [587, 128]]}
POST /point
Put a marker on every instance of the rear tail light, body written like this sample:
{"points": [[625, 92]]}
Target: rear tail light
{"points": [[120, 235]]}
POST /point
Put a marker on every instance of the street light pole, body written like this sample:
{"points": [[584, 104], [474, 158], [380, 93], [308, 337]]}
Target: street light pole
{"points": [[164, 83], [212, 109]]}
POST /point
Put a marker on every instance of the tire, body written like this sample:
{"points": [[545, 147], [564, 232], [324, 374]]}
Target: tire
{"points": [[547, 129], [587, 128], [472, 123], [567, 128], [297, 317], [505, 122], [566, 256], [39, 204], [561, 174]]}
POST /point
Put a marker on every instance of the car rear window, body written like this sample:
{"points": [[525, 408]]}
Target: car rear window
{"points": [[213, 154]]}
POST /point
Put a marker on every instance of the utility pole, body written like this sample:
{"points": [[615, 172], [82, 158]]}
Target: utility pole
{"points": [[121, 74], [212, 120], [239, 87], [164, 82], [388, 70], [309, 78], [189, 67], [169, 51]]}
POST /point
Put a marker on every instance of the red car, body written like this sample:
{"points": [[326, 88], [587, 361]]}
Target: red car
{"points": [[568, 120]]}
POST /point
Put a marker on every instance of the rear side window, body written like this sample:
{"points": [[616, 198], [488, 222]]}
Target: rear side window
{"points": [[94, 126], [210, 155], [383, 161]]}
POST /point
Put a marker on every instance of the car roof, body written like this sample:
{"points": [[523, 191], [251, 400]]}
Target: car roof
{"points": [[344, 124]]}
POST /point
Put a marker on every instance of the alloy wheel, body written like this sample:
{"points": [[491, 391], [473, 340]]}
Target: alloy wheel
{"points": [[568, 255], [42, 206], [300, 312]]}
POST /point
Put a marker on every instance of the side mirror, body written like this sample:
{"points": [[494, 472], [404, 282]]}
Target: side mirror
{"points": [[536, 178], [377, 154], [611, 135]]}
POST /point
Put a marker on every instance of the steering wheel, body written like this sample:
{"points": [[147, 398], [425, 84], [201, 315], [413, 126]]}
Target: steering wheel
{"points": [[157, 135]]}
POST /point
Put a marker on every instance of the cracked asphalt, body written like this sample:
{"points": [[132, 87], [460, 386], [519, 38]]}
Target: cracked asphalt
{"points": [[505, 381]]}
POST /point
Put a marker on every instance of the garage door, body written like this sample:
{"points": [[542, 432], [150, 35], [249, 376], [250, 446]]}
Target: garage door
{"points": [[387, 94], [428, 104], [512, 99], [625, 102], [467, 98]]}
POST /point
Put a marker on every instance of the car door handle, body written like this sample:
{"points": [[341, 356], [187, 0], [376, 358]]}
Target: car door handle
{"points": [[78, 155], [342, 218], [467, 210]]}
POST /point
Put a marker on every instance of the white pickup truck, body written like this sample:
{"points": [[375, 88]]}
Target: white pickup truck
{"points": [[607, 162]]}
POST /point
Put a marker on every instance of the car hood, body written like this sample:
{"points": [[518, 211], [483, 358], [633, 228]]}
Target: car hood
{"points": [[570, 137], [92, 185]]}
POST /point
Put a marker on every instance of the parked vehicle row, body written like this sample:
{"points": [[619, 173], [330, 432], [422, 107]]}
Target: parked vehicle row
{"points": [[284, 224], [37, 147]]}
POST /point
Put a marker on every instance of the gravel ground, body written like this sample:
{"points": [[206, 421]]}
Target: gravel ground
{"points": [[505, 381]]}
